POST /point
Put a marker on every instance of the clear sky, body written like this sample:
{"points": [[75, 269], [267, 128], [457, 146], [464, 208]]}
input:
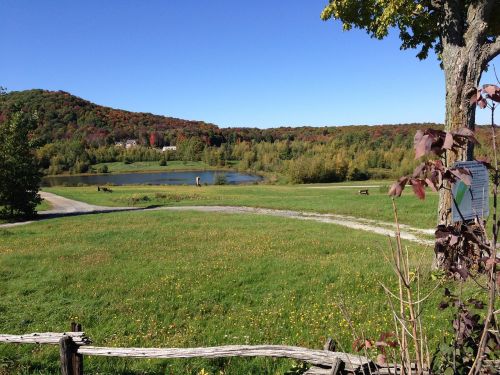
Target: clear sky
{"points": [[260, 63]]}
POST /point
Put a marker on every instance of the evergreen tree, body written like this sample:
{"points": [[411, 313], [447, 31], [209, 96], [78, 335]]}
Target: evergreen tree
{"points": [[19, 174]]}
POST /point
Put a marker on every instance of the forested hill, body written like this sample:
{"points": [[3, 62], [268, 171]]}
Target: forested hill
{"points": [[73, 135], [63, 116]]}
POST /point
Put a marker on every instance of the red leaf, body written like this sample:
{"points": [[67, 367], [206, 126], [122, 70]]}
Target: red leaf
{"points": [[423, 146], [418, 188], [430, 183], [357, 345], [490, 262], [381, 360], [482, 103], [466, 132], [453, 240], [418, 170], [463, 174], [495, 97], [418, 136], [395, 190], [491, 89], [397, 187], [448, 141]]}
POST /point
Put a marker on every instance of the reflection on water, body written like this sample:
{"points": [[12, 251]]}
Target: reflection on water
{"points": [[152, 178]]}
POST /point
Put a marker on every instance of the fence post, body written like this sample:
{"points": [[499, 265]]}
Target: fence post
{"points": [[77, 359], [66, 349], [71, 361]]}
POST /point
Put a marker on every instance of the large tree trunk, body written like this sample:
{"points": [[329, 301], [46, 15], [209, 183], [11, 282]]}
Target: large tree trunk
{"points": [[462, 75], [465, 55]]}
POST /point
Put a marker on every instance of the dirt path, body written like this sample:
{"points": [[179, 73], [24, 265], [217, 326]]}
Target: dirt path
{"points": [[367, 225], [66, 207]]}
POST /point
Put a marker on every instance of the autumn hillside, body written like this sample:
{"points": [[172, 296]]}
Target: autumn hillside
{"points": [[64, 116], [74, 134]]}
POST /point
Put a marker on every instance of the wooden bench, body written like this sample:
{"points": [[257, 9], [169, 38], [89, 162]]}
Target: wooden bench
{"points": [[105, 189]]}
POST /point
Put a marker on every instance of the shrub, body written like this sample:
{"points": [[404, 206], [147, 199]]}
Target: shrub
{"points": [[220, 179], [103, 169], [80, 167]]}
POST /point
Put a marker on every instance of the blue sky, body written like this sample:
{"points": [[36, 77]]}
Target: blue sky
{"points": [[233, 63]]}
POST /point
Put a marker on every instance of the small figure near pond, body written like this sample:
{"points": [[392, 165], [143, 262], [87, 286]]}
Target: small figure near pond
{"points": [[198, 181]]}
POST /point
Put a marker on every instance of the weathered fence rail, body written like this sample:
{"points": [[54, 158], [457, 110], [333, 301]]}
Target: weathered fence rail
{"points": [[314, 357], [74, 345], [50, 338]]}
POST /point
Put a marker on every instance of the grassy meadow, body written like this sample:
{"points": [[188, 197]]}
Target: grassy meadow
{"points": [[43, 206], [324, 198], [184, 279]]}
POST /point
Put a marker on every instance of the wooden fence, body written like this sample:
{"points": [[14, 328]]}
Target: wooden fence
{"points": [[75, 344]]}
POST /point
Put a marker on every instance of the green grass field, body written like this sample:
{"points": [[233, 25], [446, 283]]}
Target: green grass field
{"points": [[44, 206], [184, 279], [314, 198]]}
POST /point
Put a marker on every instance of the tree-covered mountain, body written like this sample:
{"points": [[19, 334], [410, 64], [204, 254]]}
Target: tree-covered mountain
{"points": [[73, 134], [63, 116]]}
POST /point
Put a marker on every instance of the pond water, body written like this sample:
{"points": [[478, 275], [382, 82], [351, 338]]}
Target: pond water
{"points": [[151, 178]]}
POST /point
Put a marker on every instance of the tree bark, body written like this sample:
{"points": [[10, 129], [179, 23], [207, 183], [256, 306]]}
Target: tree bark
{"points": [[463, 61], [466, 53], [462, 77]]}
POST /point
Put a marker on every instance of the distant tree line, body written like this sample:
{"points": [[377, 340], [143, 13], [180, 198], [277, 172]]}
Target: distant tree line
{"points": [[73, 134], [348, 156]]}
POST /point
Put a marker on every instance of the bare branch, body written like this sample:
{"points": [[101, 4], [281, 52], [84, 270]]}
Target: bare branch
{"points": [[491, 50], [387, 290]]}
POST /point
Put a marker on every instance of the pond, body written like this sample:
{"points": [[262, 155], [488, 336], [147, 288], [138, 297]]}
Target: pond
{"points": [[151, 178]]}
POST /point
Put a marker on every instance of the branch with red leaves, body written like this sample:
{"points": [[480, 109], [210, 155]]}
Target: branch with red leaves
{"points": [[432, 173], [488, 92]]}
